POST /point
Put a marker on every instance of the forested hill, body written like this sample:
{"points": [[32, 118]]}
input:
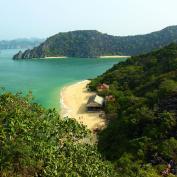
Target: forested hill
{"points": [[90, 43], [142, 131], [20, 43]]}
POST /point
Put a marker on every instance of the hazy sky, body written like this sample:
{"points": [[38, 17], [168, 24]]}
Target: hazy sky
{"points": [[43, 18]]}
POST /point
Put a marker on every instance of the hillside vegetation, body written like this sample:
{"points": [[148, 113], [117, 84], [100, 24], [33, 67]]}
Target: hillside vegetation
{"points": [[36, 142], [143, 131], [90, 43]]}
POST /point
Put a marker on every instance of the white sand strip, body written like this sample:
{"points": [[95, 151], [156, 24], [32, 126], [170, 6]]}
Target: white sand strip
{"points": [[55, 57], [115, 56]]}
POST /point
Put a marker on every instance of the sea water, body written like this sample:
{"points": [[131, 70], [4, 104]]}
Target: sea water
{"points": [[46, 77]]}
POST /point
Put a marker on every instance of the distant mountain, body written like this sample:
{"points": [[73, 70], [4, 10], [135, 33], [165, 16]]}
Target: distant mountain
{"points": [[20, 43], [91, 43]]}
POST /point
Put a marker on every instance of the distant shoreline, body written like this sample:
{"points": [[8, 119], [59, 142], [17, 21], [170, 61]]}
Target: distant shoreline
{"points": [[102, 57], [55, 57], [114, 56], [106, 56]]}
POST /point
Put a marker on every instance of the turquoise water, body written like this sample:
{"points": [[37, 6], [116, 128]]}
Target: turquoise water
{"points": [[45, 78]]}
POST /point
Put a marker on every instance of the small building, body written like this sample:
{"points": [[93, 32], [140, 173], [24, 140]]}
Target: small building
{"points": [[103, 87], [95, 103]]}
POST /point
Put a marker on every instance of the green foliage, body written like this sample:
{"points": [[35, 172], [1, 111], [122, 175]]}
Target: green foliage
{"points": [[110, 108], [167, 87], [36, 142], [169, 148], [128, 168], [144, 131], [91, 43]]}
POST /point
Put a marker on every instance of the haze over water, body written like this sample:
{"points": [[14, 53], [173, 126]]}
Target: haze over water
{"points": [[46, 77]]}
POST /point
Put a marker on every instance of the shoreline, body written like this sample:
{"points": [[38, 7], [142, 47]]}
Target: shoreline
{"points": [[74, 105], [114, 56], [55, 57], [102, 57]]}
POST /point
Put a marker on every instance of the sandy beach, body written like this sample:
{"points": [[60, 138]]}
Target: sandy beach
{"points": [[73, 105], [106, 57], [115, 56], [55, 57]]}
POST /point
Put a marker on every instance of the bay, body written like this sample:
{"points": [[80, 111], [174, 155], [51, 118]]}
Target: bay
{"points": [[46, 77]]}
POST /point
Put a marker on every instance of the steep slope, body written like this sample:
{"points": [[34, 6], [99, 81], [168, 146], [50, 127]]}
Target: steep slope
{"points": [[143, 128], [90, 43]]}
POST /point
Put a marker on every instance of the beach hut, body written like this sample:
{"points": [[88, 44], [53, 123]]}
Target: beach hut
{"points": [[95, 103]]}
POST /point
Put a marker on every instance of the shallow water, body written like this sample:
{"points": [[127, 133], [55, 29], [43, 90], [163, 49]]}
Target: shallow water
{"points": [[46, 77]]}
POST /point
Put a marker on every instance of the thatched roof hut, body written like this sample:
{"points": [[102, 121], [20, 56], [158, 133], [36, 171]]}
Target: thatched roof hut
{"points": [[95, 103]]}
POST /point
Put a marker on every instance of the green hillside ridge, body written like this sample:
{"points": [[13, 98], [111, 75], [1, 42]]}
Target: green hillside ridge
{"points": [[91, 43], [143, 130]]}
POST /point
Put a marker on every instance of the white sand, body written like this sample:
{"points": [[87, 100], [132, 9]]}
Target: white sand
{"points": [[115, 56], [111, 56], [55, 57], [73, 105]]}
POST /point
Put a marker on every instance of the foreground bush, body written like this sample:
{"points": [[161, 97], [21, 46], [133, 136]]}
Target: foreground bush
{"points": [[36, 142]]}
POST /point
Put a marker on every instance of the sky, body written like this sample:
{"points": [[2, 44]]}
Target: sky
{"points": [[43, 18]]}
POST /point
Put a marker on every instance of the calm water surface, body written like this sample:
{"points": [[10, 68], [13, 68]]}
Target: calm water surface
{"points": [[45, 78]]}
